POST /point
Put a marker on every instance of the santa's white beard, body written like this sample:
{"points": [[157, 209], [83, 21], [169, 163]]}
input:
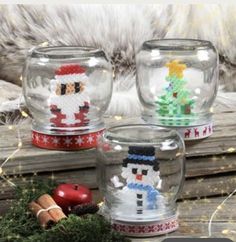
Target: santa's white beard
{"points": [[69, 105]]}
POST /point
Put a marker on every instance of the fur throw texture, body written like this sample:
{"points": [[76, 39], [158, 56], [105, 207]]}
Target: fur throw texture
{"points": [[119, 30]]}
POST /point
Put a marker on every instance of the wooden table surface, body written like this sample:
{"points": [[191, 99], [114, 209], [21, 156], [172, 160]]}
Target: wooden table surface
{"points": [[210, 174], [194, 218]]}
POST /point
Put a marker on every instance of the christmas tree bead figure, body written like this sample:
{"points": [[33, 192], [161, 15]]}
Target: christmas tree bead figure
{"points": [[69, 100], [176, 102]]}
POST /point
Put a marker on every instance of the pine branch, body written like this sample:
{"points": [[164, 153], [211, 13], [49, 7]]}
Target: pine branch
{"points": [[18, 225]]}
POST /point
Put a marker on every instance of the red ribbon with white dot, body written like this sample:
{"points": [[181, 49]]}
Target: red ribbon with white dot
{"points": [[65, 142], [141, 229]]}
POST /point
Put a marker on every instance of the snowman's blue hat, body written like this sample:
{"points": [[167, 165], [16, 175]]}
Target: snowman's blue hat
{"points": [[143, 155]]}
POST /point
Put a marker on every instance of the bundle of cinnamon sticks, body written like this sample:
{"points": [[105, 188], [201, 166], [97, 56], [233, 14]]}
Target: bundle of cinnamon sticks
{"points": [[47, 211]]}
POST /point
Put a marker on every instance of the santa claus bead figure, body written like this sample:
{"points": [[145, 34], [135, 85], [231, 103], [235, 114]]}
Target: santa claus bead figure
{"points": [[69, 99], [67, 90], [140, 176]]}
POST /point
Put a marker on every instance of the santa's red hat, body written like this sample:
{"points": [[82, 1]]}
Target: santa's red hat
{"points": [[70, 69], [70, 73]]}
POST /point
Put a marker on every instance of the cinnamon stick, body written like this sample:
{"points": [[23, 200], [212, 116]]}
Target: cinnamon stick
{"points": [[45, 219], [46, 201]]}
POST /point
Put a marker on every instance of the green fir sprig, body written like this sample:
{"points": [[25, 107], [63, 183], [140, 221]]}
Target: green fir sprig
{"points": [[18, 225]]}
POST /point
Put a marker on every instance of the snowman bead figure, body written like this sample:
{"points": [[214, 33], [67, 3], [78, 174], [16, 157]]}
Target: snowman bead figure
{"points": [[140, 177], [141, 172]]}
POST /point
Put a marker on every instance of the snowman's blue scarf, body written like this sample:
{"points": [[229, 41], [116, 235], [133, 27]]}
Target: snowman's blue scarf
{"points": [[152, 193]]}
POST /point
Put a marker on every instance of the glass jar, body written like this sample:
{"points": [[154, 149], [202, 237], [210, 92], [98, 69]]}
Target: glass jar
{"points": [[141, 171], [177, 81], [67, 90]]}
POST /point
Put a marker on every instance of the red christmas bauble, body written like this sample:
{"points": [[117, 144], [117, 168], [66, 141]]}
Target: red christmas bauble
{"points": [[69, 195]]}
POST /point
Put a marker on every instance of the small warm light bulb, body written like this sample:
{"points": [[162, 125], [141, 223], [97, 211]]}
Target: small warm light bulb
{"points": [[44, 44], [118, 117], [10, 127], [178, 154], [52, 177], [231, 149], [200, 180], [24, 114], [20, 144], [225, 231], [219, 207], [100, 204]]}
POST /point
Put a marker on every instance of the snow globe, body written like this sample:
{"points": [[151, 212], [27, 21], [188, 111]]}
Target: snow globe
{"points": [[177, 82], [140, 175], [67, 90]]}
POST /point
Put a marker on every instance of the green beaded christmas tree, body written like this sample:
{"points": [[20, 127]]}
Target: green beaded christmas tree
{"points": [[176, 103]]}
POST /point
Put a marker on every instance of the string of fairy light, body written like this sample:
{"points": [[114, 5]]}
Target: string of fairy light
{"points": [[18, 148], [17, 128], [220, 207]]}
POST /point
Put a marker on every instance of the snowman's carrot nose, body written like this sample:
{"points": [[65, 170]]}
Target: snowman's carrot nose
{"points": [[139, 177]]}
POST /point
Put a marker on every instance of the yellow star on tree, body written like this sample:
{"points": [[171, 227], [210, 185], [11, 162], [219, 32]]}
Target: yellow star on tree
{"points": [[176, 68]]}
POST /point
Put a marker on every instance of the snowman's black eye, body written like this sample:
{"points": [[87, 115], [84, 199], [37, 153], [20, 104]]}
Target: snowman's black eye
{"points": [[134, 170], [144, 172]]}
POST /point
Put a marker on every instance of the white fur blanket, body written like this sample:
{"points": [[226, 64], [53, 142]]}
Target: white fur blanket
{"points": [[118, 29]]}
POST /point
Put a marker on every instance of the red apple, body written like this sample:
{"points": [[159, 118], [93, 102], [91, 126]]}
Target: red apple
{"points": [[69, 195]]}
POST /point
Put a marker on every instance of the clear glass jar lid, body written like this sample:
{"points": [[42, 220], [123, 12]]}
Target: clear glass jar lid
{"points": [[138, 134], [177, 44], [60, 52]]}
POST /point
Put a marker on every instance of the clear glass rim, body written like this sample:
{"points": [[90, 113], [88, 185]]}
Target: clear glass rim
{"points": [[177, 44], [111, 136], [58, 52]]}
